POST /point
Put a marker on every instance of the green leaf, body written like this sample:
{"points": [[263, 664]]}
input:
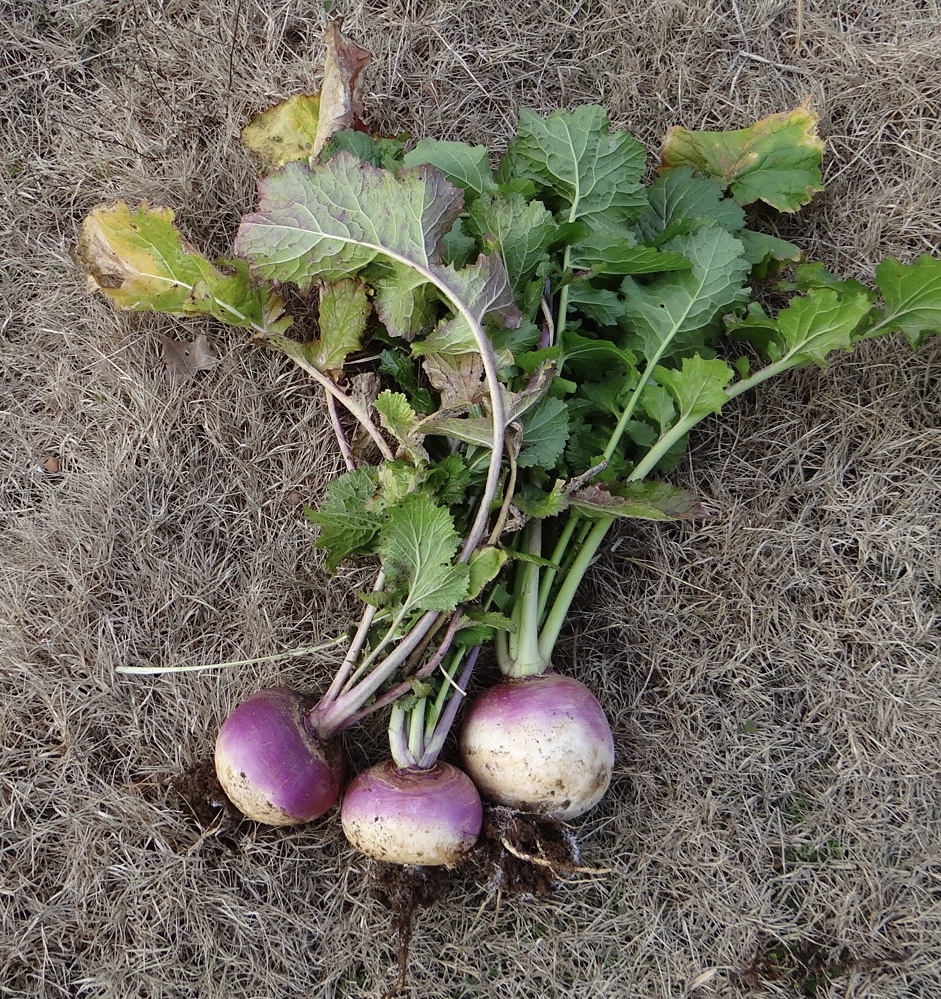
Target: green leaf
{"points": [[331, 220], [698, 387], [379, 152], [607, 253], [417, 544], [348, 523], [344, 310], [466, 166], [520, 231], [285, 133], [586, 171], [537, 503], [762, 249], [449, 480], [809, 328], [595, 351], [405, 302], [470, 429], [679, 202], [640, 500], [673, 312], [141, 262], [485, 565], [657, 403], [398, 417], [776, 160], [402, 369], [912, 294], [545, 431], [600, 305]]}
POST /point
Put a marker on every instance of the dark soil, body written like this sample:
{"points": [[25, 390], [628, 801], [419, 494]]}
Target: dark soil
{"points": [[525, 854], [403, 890]]}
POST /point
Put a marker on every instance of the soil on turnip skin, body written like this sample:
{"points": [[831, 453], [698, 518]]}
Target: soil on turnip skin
{"points": [[525, 854]]}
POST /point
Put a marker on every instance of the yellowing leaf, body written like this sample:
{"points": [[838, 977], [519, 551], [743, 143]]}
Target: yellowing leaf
{"points": [[298, 128], [776, 160], [140, 261], [285, 133]]}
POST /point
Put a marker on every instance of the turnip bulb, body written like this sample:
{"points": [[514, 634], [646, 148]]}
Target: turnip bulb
{"points": [[427, 817], [539, 744], [272, 767]]}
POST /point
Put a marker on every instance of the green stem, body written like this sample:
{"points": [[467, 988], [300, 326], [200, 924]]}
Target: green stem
{"points": [[527, 660], [563, 600], [416, 729], [562, 554]]}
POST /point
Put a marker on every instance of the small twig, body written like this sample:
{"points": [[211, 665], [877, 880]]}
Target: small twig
{"points": [[777, 65], [542, 862], [342, 442]]}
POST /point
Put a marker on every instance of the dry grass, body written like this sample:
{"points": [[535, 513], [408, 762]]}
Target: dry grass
{"points": [[773, 673]]}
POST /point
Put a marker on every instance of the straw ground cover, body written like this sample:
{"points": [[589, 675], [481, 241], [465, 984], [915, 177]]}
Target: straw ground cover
{"points": [[773, 825]]}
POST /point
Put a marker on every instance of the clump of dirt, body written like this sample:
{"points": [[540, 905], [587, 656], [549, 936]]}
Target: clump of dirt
{"points": [[199, 787], [526, 854], [403, 890]]}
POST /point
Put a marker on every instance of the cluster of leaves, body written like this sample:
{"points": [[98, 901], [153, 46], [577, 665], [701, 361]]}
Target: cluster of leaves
{"points": [[544, 334]]}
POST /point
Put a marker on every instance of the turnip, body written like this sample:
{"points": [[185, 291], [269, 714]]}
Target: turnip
{"points": [[414, 809], [539, 744], [272, 767], [550, 332], [429, 817]]}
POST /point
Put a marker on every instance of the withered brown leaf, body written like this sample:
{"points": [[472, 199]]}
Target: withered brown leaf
{"points": [[183, 359], [341, 104]]}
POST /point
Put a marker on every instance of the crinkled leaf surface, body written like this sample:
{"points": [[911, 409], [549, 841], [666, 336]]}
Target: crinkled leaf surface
{"points": [[678, 200], [519, 230], [138, 258], [776, 160], [912, 294], [589, 172], [459, 378], [607, 253], [698, 387], [348, 522], [545, 431], [344, 311], [405, 302], [398, 417], [418, 544], [466, 166], [809, 328]]}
